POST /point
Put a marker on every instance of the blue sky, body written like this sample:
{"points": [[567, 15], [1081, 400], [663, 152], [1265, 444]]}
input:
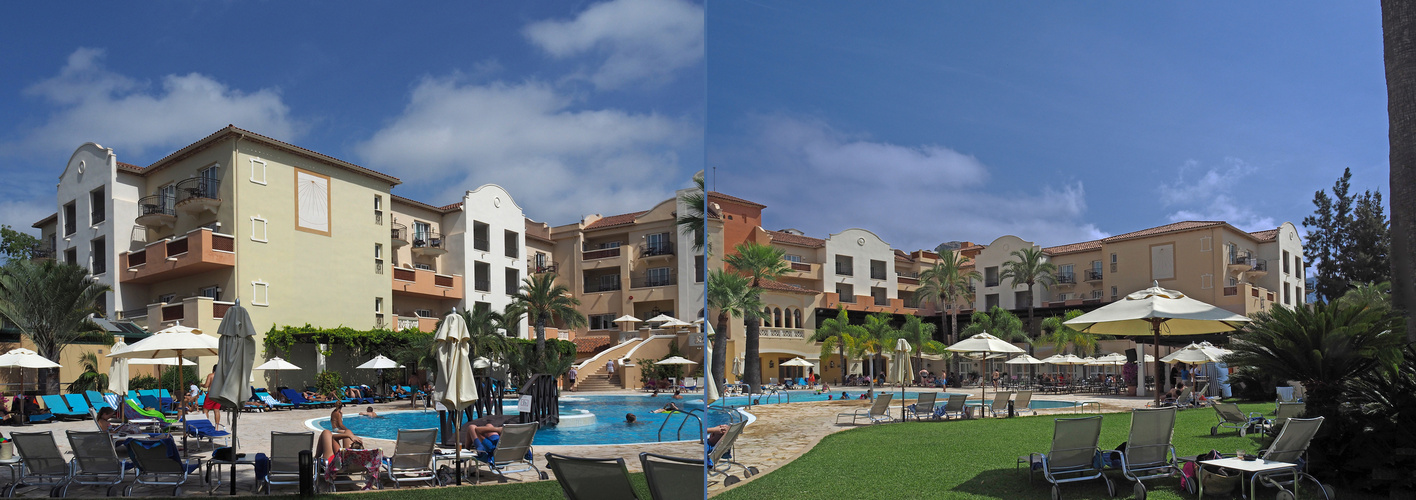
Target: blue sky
{"points": [[1055, 121], [575, 107]]}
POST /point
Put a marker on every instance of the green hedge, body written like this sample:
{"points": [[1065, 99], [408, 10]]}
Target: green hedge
{"points": [[279, 341]]}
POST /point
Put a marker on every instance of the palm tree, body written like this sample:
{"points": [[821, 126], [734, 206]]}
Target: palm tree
{"points": [[878, 327], [1057, 334], [1322, 346], [692, 222], [1029, 266], [946, 286], [920, 335], [543, 301], [50, 303], [91, 379], [860, 347], [1370, 294], [834, 333], [759, 263], [1000, 323], [485, 327], [1398, 29], [730, 295]]}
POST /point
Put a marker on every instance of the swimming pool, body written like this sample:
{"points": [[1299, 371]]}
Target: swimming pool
{"points": [[609, 426], [854, 393]]}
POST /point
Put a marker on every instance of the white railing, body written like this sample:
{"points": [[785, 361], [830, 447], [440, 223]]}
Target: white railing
{"points": [[783, 333], [406, 323]]}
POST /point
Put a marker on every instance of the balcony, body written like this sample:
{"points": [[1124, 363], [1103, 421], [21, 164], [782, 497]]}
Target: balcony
{"points": [[414, 322], [782, 333], [427, 284], [156, 211], [1240, 262], [428, 244], [595, 286], [1066, 278], [198, 251], [803, 270], [1093, 275], [882, 301], [652, 281], [41, 252], [194, 312], [199, 194], [877, 274], [548, 267], [599, 253], [844, 270], [661, 249], [399, 234], [1257, 268]]}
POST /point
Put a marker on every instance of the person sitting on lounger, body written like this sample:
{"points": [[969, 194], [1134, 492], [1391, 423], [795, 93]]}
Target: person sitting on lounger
{"points": [[483, 438], [104, 420], [1174, 392]]}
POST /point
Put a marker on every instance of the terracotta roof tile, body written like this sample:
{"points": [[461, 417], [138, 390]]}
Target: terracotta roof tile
{"points": [[232, 130], [442, 210], [130, 167], [538, 230], [716, 195], [1073, 248], [1265, 235], [900, 254], [52, 217], [614, 220], [590, 343], [1168, 228], [783, 287], [798, 240]]}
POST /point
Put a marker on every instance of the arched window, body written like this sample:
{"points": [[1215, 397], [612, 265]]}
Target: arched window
{"points": [[797, 314], [788, 319], [777, 317]]}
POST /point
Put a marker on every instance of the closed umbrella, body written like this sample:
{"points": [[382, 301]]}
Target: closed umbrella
{"points": [[230, 383], [456, 388], [986, 344], [118, 372], [277, 365], [902, 372], [710, 386], [1146, 311]]}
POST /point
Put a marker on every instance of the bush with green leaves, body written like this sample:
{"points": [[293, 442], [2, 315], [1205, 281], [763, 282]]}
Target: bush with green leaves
{"points": [[330, 382]]}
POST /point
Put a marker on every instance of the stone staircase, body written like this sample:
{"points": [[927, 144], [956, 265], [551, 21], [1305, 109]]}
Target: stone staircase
{"points": [[598, 382]]}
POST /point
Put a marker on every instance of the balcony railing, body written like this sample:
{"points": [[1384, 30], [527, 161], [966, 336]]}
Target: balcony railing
{"points": [[41, 252], [847, 298], [1258, 265], [1066, 278], [783, 333], [844, 270], [990, 282], [482, 285], [877, 274], [602, 253], [652, 281], [425, 283], [1093, 275], [548, 267], [657, 249], [398, 233], [207, 188], [427, 239], [596, 286], [907, 280], [199, 250], [800, 266], [1240, 257], [882, 301], [482, 244], [157, 210]]}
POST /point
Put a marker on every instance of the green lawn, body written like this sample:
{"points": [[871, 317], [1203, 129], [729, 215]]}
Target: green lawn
{"points": [[971, 459]]}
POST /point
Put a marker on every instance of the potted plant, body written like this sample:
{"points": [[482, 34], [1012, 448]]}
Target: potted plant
{"points": [[1128, 373]]}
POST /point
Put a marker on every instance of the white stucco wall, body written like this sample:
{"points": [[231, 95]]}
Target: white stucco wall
{"points": [[492, 205], [995, 255], [862, 246], [91, 167]]}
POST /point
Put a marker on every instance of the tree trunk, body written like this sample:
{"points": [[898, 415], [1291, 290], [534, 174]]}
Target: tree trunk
{"points": [[1399, 37], [1032, 330], [844, 362], [540, 335], [752, 365], [720, 348]]}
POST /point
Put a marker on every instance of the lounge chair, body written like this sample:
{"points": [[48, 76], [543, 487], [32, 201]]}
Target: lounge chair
{"points": [[298, 400], [1148, 453], [924, 406], [41, 464], [1023, 403], [77, 403], [202, 430], [285, 448], [151, 403], [1231, 417], [956, 406], [672, 478], [594, 478], [96, 400], [95, 462], [270, 401], [1282, 415], [720, 461], [513, 448], [348, 463], [1073, 454], [158, 465], [1000, 403], [412, 457], [1290, 446], [137, 412], [1286, 395], [879, 411], [1181, 400], [55, 404]]}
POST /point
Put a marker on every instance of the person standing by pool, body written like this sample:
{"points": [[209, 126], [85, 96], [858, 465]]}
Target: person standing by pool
{"points": [[572, 373], [610, 370], [209, 405]]}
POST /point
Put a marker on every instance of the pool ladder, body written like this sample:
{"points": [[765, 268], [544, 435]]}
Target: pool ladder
{"points": [[678, 435]]}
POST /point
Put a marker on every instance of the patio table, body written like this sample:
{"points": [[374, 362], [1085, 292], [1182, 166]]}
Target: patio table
{"points": [[1250, 466]]}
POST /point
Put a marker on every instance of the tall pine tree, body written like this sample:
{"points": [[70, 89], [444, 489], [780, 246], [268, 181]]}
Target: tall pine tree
{"points": [[1348, 238]]}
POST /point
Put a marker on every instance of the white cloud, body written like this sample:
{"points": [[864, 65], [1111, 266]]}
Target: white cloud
{"points": [[632, 40], [131, 116], [1210, 195], [533, 141], [822, 181], [20, 214]]}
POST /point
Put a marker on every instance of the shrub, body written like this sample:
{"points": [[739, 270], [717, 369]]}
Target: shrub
{"points": [[142, 383], [329, 382]]}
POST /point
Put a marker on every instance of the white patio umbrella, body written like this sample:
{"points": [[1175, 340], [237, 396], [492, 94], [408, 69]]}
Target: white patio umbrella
{"points": [[230, 382], [118, 372], [901, 372], [1025, 360], [986, 344], [628, 321], [676, 360], [277, 365], [175, 341], [1146, 311], [797, 362], [1191, 354], [159, 361], [24, 358], [660, 318], [379, 363], [456, 388]]}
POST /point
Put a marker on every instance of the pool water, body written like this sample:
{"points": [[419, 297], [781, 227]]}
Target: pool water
{"points": [[609, 426], [855, 393]]}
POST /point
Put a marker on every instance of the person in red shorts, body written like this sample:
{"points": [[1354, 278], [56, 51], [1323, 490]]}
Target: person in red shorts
{"points": [[210, 406]]}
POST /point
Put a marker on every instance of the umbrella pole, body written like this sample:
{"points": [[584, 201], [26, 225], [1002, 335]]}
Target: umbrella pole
{"points": [[1155, 326], [457, 434]]}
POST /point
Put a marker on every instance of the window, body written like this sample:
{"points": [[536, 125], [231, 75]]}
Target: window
{"points": [[482, 276], [1298, 266], [990, 276], [422, 231], [378, 210], [166, 298], [1095, 273], [1287, 294], [845, 292], [845, 265], [423, 313], [1096, 294], [167, 197], [1206, 244], [211, 181], [70, 213], [1113, 262], [97, 214], [1285, 266], [878, 294], [258, 171], [657, 244], [512, 240], [792, 258], [378, 251], [609, 282], [1206, 281], [260, 293], [211, 292], [990, 301], [877, 269], [480, 238], [602, 322], [659, 276], [71, 256], [1022, 299], [481, 306], [777, 317], [378, 304], [1065, 274], [422, 266], [98, 257], [1113, 293], [258, 229], [513, 281], [698, 268]]}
